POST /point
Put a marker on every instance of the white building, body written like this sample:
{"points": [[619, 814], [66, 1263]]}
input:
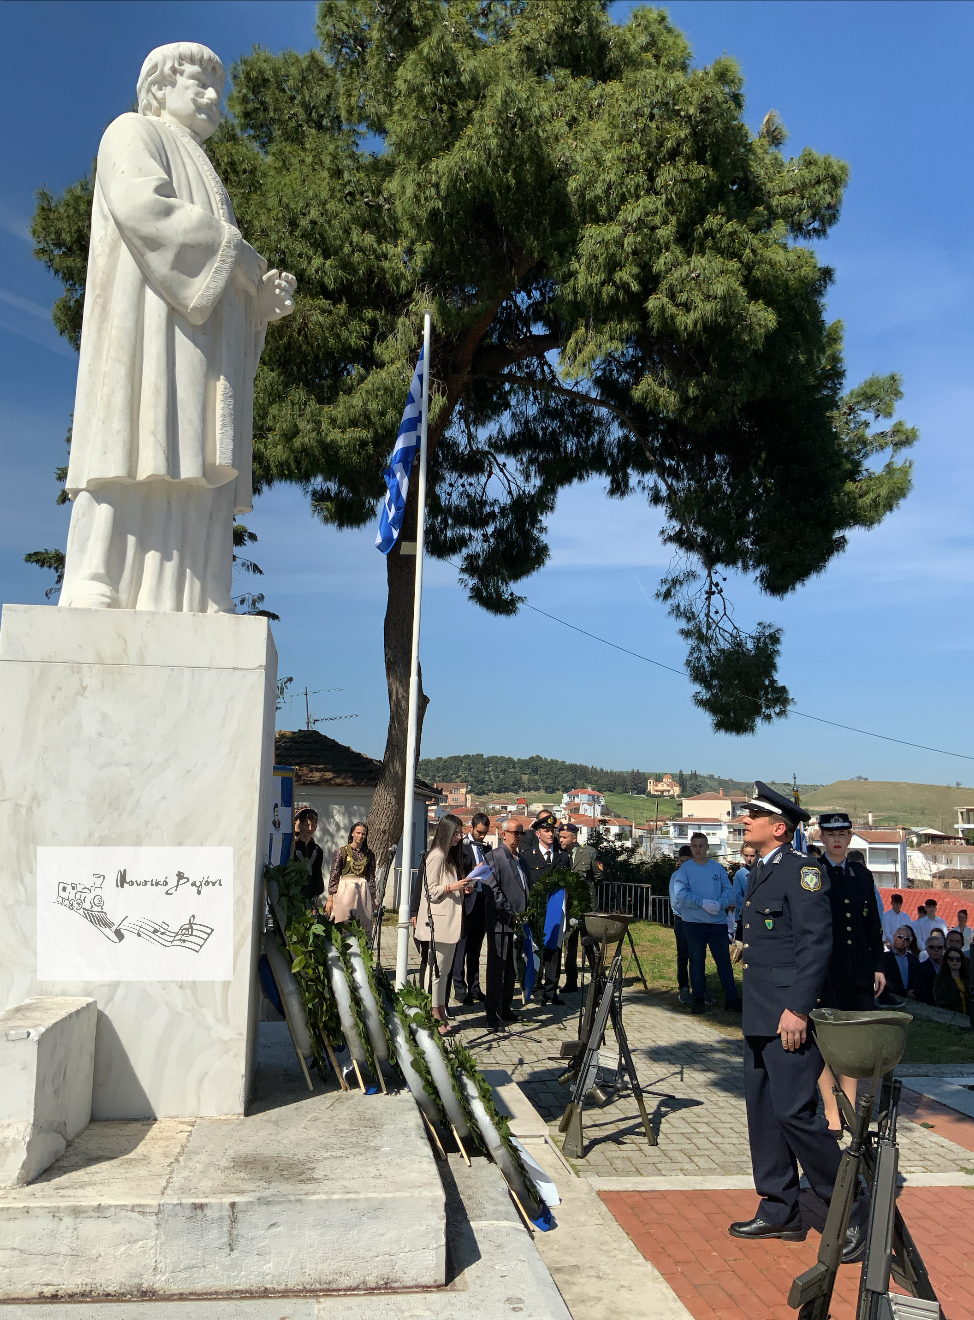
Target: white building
{"points": [[714, 806], [725, 837], [584, 802]]}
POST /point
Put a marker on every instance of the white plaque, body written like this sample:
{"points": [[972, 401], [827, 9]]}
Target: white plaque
{"points": [[134, 914]]}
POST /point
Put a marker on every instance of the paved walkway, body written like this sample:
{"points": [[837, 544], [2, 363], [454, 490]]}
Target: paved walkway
{"points": [[692, 1074]]}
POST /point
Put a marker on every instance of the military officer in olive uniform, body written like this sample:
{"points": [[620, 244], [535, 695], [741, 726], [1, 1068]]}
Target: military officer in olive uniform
{"points": [[787, 934], [585, 862], [856, 969]]}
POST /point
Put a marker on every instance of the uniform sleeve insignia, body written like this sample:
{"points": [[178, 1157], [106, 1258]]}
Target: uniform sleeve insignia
{"points": [[811, 878]]}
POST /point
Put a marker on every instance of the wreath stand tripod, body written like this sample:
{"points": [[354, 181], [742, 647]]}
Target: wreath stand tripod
{"points": [[603, 1002], [867, 1045]]}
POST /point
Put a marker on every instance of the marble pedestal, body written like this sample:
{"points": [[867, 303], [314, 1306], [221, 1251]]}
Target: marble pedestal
{"points": [[129, 730], [335, 1192]]}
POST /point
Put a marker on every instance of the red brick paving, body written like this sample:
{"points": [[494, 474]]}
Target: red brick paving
{"points": [[685, 1236]]}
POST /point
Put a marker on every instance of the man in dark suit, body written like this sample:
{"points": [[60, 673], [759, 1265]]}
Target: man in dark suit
{"points": [[902, 969], [466, 959], [540, 854], [787, 934], [930, 966], [505, 895], [584, 862]]}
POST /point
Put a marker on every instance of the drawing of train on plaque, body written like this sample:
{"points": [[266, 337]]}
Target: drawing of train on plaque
{"points": [[88, 902]]}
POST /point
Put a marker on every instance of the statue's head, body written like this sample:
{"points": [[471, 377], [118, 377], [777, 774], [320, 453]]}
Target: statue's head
{"points": [[183, 82]]}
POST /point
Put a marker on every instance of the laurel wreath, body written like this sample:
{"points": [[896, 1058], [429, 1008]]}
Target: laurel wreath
{"points": [[578, 900]]}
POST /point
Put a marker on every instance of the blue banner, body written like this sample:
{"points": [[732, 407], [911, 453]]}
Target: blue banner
{"points": [[554, 921], [528, 986]]}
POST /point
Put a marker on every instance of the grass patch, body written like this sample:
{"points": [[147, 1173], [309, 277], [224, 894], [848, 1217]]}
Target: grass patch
{"points": [[935, 1042], [641, 809], [926, 1041]]}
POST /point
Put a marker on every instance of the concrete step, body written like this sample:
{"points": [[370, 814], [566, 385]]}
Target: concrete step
{"points": [[494, 1272], [331, 1191]]}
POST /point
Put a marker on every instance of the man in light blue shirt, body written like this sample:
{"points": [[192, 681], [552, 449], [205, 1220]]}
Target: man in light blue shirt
{"points": [[682, 952], [703, 895]]}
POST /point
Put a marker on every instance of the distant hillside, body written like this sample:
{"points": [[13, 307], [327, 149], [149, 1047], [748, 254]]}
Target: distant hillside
{"points": [[540, 777], [531, 776], [893, 803]]}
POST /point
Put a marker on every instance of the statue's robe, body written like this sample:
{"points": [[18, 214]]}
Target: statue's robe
{"points": [[163, 421]]}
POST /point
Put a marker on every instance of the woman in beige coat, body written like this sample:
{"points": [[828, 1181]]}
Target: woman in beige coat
{"points": [[440, 916]]}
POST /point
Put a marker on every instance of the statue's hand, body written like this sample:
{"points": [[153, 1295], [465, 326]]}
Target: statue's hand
{"points": [[275, 298], [249, 268]]}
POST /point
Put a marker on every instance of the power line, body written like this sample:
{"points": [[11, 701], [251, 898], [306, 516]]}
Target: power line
{"points": [[866, 733]]}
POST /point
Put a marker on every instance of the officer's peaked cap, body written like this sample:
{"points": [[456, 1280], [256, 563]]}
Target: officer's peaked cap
{"points": [[545, 821], [779, 805], [834, 820]]}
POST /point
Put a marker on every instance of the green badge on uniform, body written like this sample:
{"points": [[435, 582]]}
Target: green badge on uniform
{"points": [[811, 878], [769, 923]]}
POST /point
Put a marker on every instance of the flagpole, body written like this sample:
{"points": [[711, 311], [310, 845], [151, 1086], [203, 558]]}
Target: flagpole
{"points": [[409, 792]]}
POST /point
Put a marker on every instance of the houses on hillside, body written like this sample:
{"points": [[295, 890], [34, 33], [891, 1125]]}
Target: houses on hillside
{"points": [[584, 802]]}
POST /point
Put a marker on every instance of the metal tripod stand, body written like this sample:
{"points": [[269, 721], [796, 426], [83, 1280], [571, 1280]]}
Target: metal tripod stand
{"points": [[603, 1003], [890, 1250]]}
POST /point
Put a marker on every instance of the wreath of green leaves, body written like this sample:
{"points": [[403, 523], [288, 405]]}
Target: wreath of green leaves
{"points": [[337, 936], [577, 898], [354, 928], [396, 1001], [419, 1000], [466, 1063], [301, 935]]}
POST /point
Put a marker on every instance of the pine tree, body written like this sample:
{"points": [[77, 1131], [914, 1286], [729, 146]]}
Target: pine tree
{"points": [[621, 287]]}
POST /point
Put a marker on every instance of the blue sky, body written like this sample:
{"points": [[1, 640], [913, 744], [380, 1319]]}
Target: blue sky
{"points": [[881, 641]]}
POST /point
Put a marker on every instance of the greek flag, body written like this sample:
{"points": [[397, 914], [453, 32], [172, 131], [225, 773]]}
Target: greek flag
{"points": [[396, 474]]}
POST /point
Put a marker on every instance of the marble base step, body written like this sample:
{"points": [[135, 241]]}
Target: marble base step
{"points": [[332, 1192], [495, 1273]]}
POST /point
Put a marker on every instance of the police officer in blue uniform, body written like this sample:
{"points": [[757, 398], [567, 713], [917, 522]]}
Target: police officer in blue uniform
{"points": [[787, 934], [856, 976]]}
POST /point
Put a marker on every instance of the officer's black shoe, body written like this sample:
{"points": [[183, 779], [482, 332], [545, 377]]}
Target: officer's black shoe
{"points": [[857, 1232], [468, 999], [760, 1228], [494, 1024], [510, 1017], [734, 1006], [557, 999], [699, 1006]]}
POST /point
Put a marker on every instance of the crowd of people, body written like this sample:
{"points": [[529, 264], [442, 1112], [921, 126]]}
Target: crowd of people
{"points": [[919, 959], [468, 893]]}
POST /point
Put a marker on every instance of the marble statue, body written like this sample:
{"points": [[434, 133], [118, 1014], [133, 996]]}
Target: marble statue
{"points": [[176, 307]]}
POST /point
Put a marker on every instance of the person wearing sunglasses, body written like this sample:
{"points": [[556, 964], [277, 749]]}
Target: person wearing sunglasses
{"points": [[951, 986]]}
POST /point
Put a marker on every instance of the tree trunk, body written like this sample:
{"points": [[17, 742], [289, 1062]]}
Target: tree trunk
{"points": [[385, 819]]}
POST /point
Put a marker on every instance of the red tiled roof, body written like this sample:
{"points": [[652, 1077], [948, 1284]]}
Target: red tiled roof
{"points": [[928, 849], [879, 836], [321, 761]]}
